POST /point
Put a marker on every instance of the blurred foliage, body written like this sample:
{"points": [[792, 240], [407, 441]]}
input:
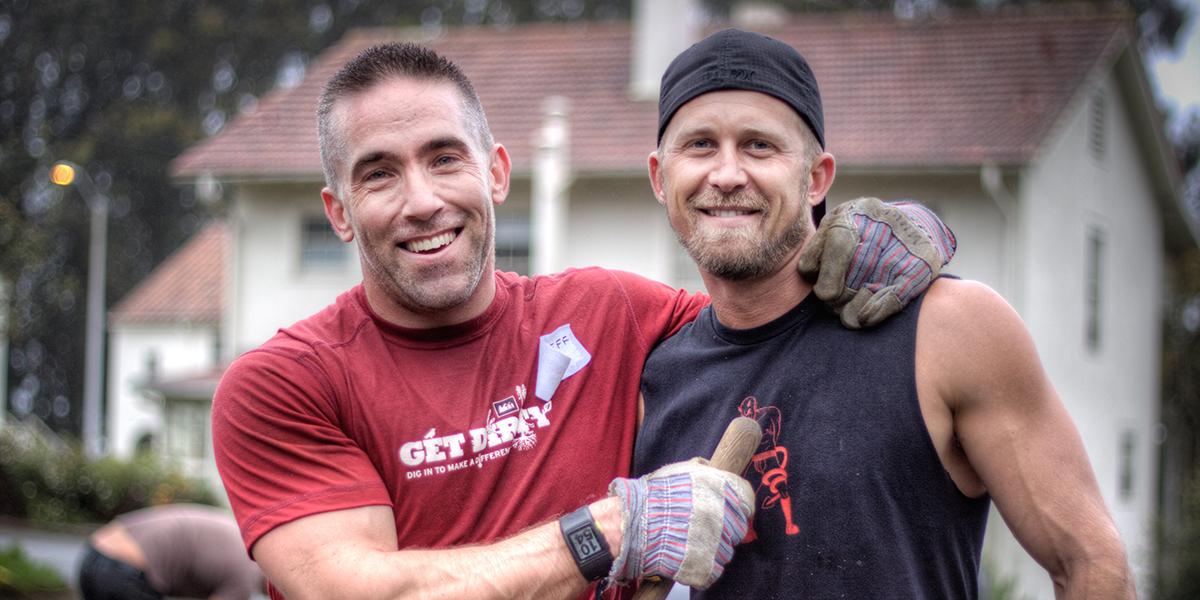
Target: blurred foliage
{"points": [[997, 586], [48, 481], [1179, 577], [1178, 564], [21, 577]]}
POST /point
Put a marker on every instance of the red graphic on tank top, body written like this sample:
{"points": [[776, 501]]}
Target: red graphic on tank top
{"points": [[770, 462]]}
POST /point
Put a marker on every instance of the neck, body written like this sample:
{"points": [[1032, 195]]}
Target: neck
{"points": [[747, 303], [386, 307]]}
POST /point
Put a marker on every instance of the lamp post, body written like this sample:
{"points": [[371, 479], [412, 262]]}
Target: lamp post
{"points": [[66, 173]]}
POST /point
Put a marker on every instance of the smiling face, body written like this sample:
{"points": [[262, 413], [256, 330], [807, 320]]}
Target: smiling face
{"points": [[739, 172], [417, 192]]}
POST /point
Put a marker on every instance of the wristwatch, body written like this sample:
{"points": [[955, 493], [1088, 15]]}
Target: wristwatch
{"points": [[586, 543]]}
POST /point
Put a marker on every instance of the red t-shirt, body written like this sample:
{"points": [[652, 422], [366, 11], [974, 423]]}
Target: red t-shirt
{"points": [[471, 432]]}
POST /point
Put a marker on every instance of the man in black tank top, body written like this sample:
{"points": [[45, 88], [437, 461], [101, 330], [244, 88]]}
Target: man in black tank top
{"points": [[883, 448]]}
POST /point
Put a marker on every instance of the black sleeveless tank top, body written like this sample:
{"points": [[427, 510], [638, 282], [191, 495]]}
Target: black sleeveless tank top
{"points": [[853, 501]]}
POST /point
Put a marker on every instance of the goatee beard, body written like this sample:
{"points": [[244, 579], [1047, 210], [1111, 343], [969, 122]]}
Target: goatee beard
{"points": [[743, 254]]}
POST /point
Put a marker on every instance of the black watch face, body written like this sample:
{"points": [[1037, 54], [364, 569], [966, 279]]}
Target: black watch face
{"points": [[584, 543]]}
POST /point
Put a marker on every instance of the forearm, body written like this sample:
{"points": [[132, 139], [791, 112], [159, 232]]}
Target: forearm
{"points": [[352, 553], [1102, 576], [533, 564]]}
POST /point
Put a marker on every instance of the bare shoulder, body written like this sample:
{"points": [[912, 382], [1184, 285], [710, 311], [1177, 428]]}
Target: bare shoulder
{"points": [[969, 337], [967, 310], [961, 301]]}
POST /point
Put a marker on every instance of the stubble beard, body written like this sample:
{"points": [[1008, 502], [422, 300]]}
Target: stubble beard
{"points": [[441, 287], [743, 254]]}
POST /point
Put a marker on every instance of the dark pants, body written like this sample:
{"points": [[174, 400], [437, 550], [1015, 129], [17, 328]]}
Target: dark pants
{"points": [[102, 578]]}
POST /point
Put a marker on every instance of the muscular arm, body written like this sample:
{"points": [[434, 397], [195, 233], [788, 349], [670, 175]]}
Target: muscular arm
{"points": [[976, 360], [352, 554]]}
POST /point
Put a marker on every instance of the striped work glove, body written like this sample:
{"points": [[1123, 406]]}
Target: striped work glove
{"points": [[681, 522], [870, 258]]}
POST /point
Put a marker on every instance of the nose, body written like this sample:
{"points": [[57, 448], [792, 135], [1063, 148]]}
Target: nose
{"points": [[419, 197], [727, 174]]}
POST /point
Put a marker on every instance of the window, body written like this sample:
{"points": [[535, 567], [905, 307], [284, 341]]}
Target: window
{"points": [[151, 366], [186, 430], [1097, 110], [1093, 288], [1125, 477], [320, 248], [512, 242], [684, 272]]}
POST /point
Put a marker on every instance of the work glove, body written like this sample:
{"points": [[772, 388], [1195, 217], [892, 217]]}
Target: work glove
{"points": [[681, 522], [870, 258]]}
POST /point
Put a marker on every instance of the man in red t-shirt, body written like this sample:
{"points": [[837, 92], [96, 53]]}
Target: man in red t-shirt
{"points": [[370, 449]]}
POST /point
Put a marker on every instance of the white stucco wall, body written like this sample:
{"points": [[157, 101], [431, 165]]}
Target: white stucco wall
{"points": [[180, 350], [270, 290], [1113, 391], [618, 224]]}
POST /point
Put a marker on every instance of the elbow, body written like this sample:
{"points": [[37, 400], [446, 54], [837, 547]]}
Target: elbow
{"points": [[1102, 571]]}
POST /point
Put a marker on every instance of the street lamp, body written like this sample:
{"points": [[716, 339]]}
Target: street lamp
{"points": [[66, 173]]}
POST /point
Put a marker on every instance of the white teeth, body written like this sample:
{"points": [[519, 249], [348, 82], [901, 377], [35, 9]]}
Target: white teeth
{"points": [[432, 243], [728, 213]]}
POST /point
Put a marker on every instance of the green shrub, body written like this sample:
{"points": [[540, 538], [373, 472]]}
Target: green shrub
{"points": [[21, 577], [49, 481]]}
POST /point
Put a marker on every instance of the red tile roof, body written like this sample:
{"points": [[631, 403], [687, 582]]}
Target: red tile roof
{"points": [[954, 91], [188, 287]]}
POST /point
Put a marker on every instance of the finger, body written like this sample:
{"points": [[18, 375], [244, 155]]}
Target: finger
{"points": [[841, 244], [882, 304], [851, 313], [810, 255]]}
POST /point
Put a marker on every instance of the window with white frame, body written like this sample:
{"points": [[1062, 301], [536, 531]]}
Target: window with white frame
{"points": [[684, 272], [320, 248], [186, 430], [1125, 472], [1093, 289], [512, 241], [1096, 134]]}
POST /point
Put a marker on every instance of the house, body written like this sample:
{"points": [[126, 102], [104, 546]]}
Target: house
{"points": [[1032, 131], [163, 357]]}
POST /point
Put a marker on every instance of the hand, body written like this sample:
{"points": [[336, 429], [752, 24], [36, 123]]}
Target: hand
{"points": [[870, 258], [681, 522]]}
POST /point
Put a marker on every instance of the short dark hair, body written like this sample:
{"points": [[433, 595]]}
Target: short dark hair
{"points": [[377, 63]]}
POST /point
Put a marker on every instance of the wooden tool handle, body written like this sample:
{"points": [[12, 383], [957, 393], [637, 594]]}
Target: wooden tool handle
{"points": [[733, 453]]}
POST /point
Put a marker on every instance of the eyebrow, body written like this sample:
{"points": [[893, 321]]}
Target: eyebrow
{"points": [[749, 131], [368, 159], [445, 143]]}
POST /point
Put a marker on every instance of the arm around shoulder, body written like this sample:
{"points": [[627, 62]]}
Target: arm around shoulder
{"points": [[975, 355]]}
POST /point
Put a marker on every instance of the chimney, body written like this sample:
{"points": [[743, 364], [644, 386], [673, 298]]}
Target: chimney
{"points": [[551, 180], [757, 14], [661, 30]]}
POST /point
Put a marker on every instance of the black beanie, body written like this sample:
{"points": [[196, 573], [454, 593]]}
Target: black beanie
{"points": [[741, 60]]}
